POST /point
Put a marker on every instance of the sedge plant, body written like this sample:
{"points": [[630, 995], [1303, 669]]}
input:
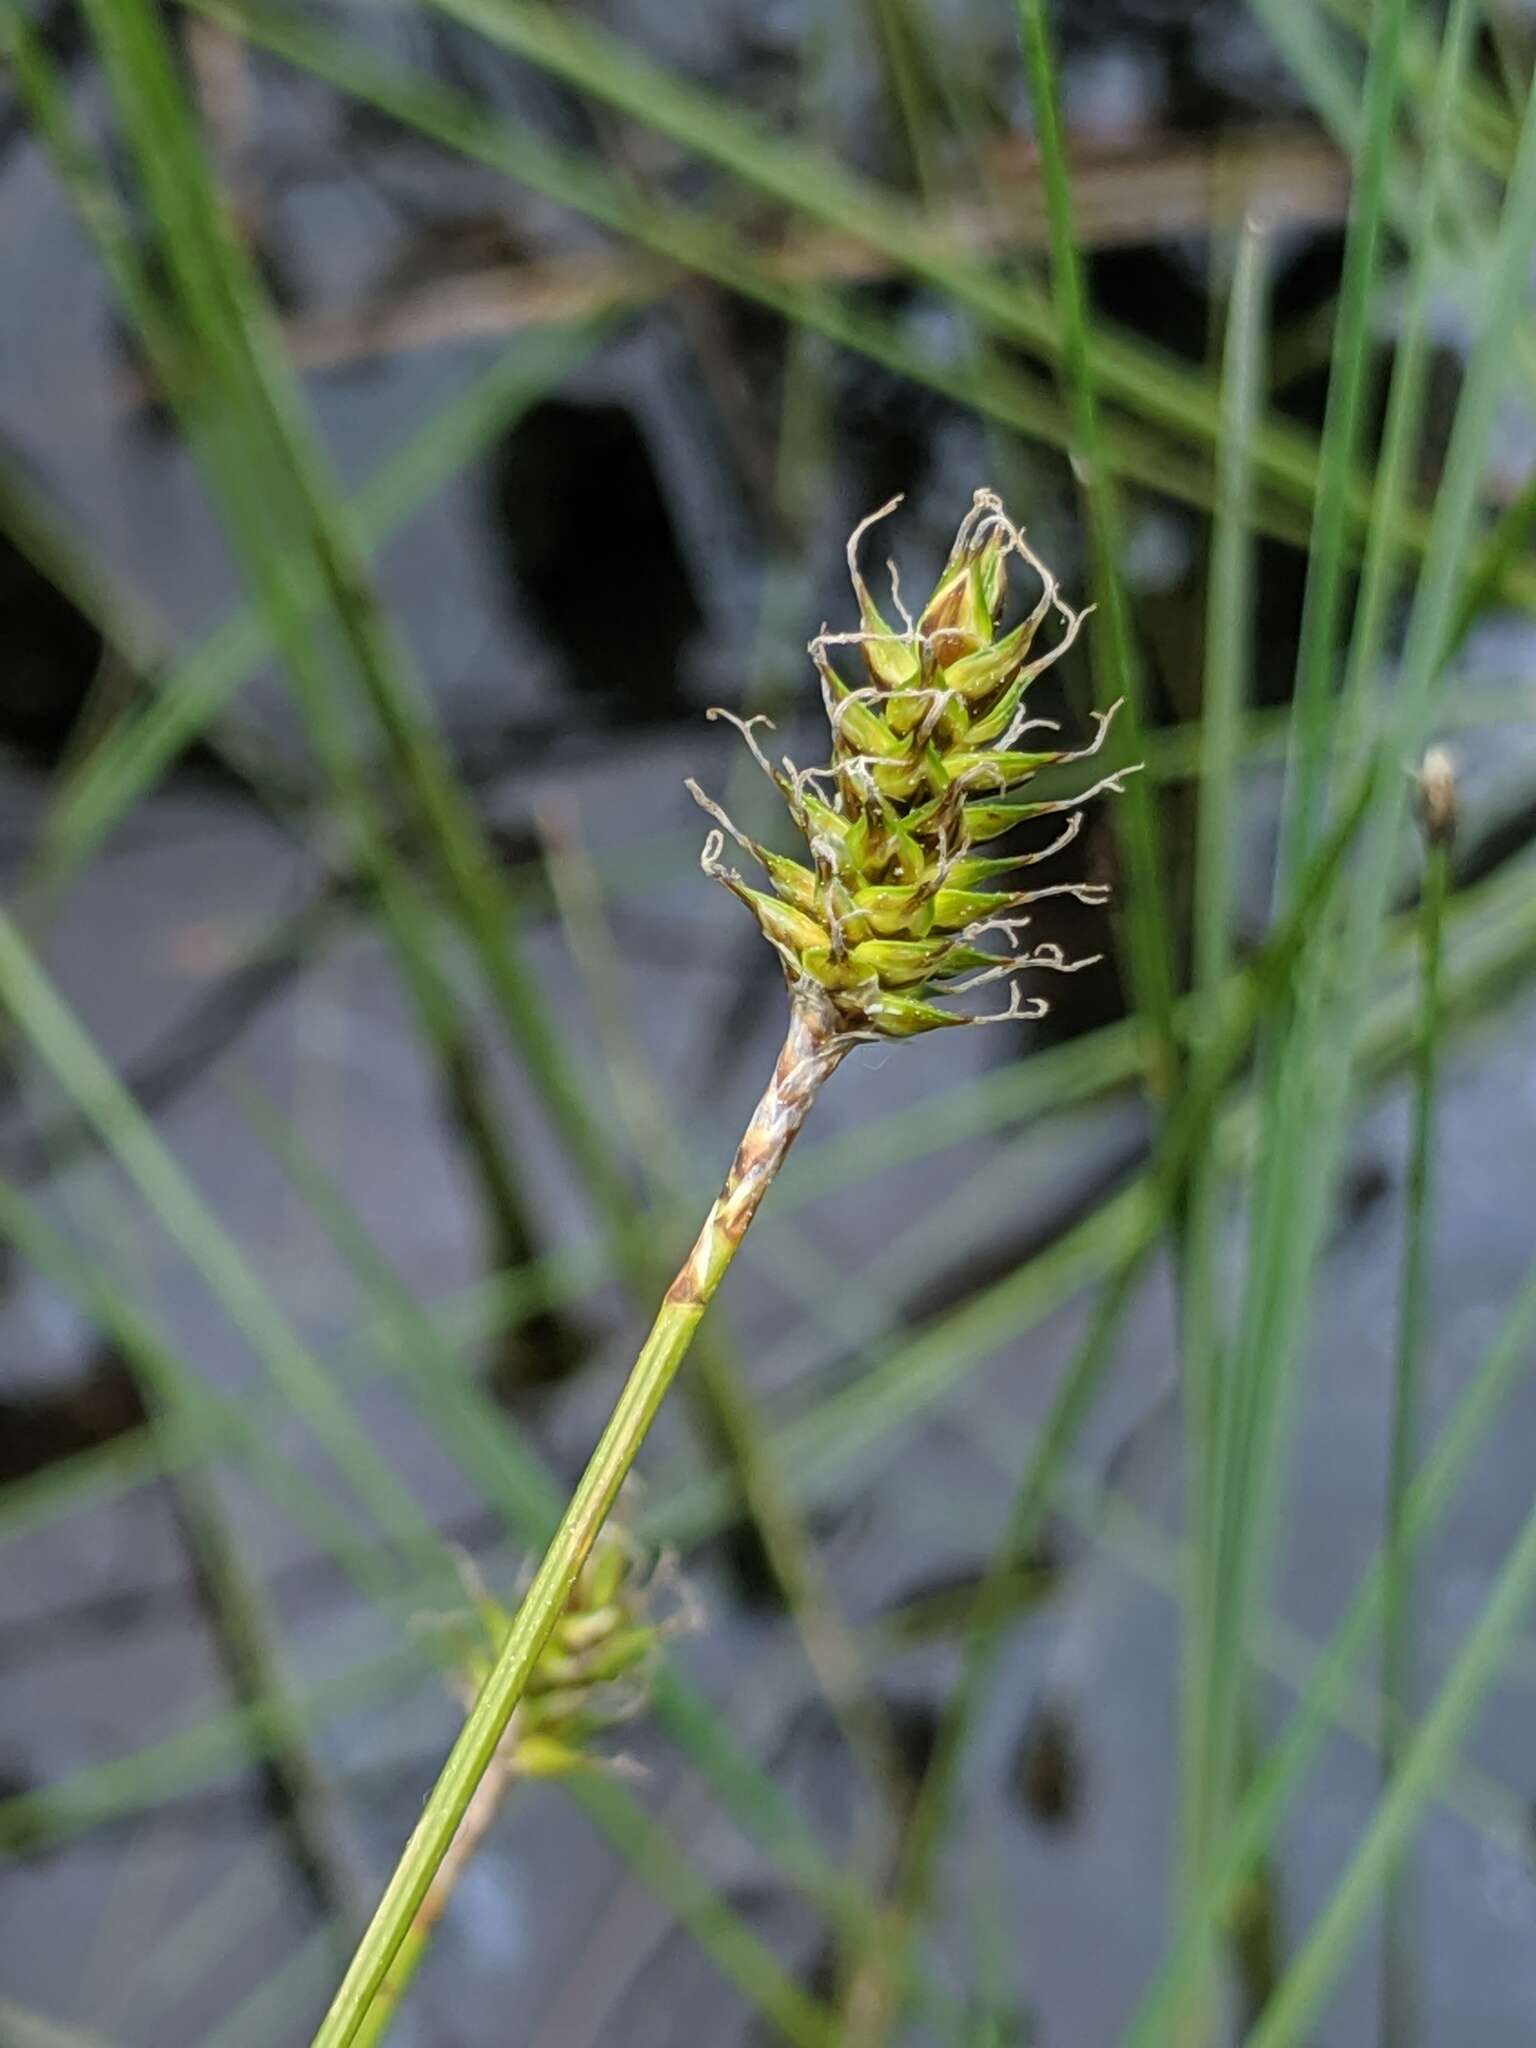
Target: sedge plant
{"points": [[896, 908]]}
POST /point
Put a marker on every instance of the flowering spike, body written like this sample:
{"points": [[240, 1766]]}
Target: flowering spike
{"points": [[926, 767], [595, 1670]]}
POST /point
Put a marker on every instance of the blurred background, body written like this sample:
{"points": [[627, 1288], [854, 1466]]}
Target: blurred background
{"points": [[413, 419]]}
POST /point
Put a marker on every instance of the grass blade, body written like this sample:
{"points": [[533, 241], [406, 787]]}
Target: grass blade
{"points": [[1228, 672], [1117, 664], [1398, 1627], [1341, 442]]}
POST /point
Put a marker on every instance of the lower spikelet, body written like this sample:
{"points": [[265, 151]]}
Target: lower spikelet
{"points": [[891, 908], [596, 1669]]}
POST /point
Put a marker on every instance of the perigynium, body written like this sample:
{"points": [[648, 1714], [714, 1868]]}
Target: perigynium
{"points": [[894, 913]]}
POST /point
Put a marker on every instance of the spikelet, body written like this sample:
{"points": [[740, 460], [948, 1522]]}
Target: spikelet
{"points": [[895, 905], [595, 1671]]}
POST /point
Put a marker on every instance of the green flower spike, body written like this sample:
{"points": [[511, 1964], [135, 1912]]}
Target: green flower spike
{"points": [[595, 1671], [891, 910]]}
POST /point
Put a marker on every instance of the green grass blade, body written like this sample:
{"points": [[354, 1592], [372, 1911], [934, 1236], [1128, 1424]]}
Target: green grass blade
{"points": [[1117, 663], [1399, 1631], [1227, 685], [1382, 565], [1341, 443]]}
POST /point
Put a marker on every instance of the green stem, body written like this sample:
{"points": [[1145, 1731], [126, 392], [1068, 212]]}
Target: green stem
{"points": [[1203, 1317], [1398, 1648], [732, 1425], [811, 1051]]}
